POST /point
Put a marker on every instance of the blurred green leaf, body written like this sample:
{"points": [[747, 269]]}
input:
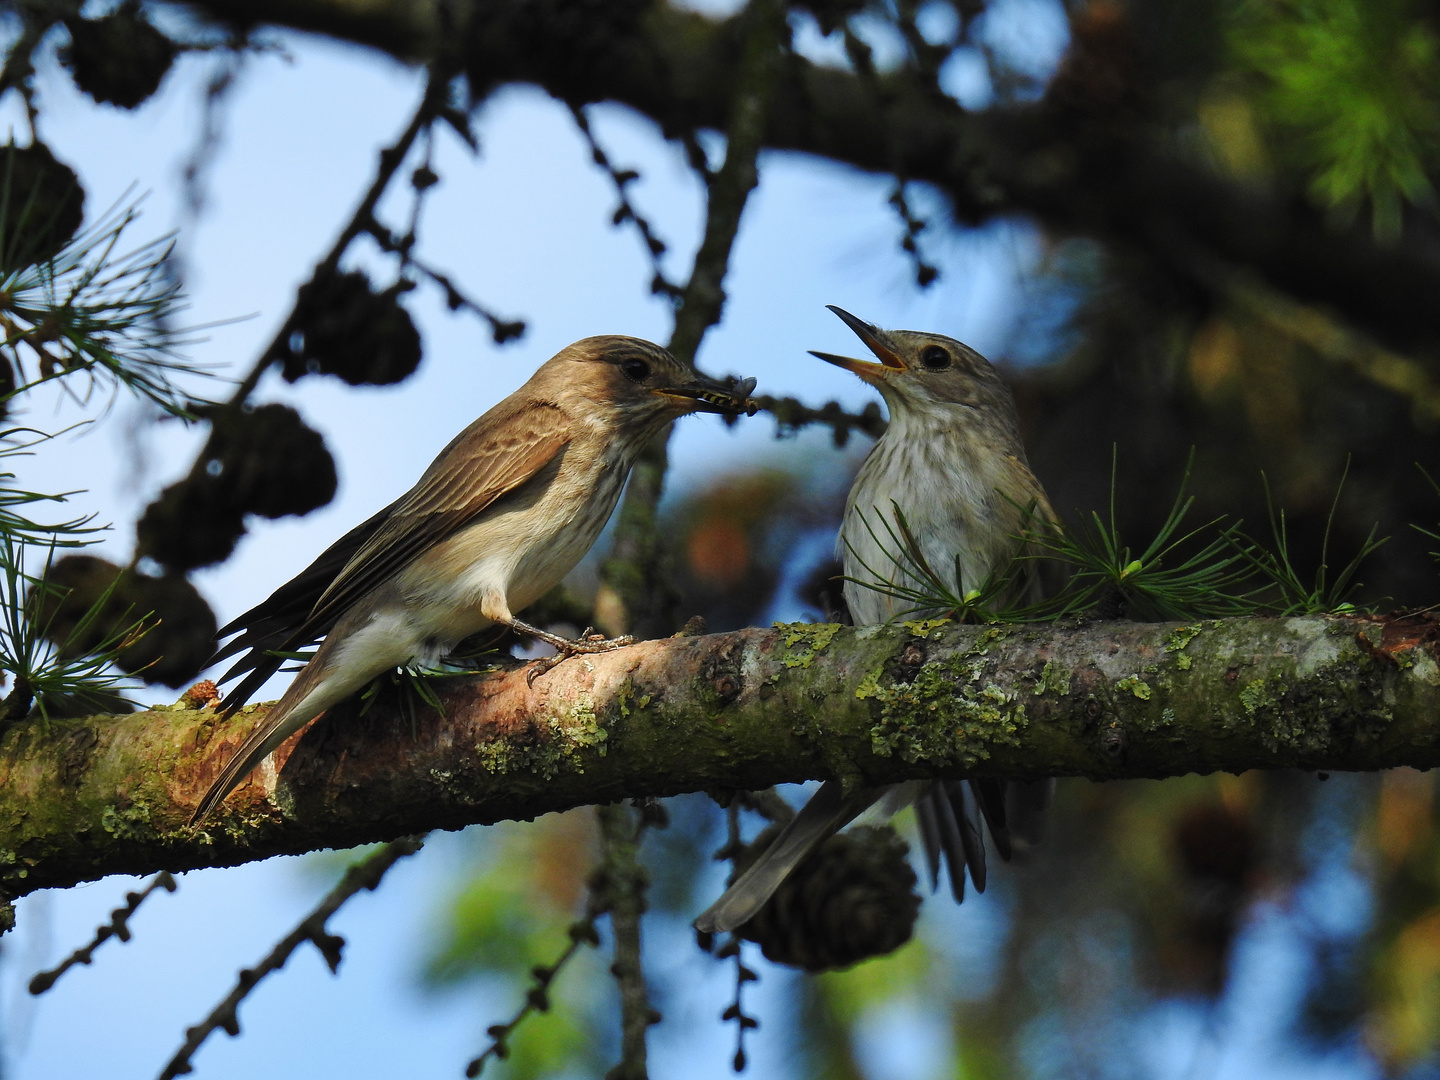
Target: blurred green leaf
{"points": [[1354, 88]]}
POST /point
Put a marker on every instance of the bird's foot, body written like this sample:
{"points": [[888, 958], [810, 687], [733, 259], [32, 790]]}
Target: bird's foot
{"points": [[586, 644]]}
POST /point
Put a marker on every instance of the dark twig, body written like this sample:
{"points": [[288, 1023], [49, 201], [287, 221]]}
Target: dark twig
{"points": [[365, 874], [735, 1010], [925, 273], [537, 997], [20, 65], [620, 835], [634, 596], [791, 415], [501, 329], [927, 59], [927, 63], [730, 186], [217, 90], [766, 803], [117, 927], [625, 211], [433, 104]]}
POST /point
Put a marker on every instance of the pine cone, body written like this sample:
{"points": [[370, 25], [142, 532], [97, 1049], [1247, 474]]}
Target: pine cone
{"points": [[854, 898], [41, 205], [119, 59], [264, 461], [171, 652], [345, 328], [270, 461]]}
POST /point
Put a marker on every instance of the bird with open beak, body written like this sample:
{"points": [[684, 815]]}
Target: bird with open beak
{"points": [[951, 461], [507, 510]]}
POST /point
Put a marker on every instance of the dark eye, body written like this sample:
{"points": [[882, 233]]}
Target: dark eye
{"points": [[935, 358], [635, 370]]}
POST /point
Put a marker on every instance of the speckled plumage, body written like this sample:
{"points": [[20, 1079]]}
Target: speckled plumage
{"points": [[958, 474], [953, 463]]}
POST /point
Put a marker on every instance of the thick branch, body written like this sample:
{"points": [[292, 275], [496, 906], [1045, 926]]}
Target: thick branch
{"points": [[111, 794], [680, 68]]}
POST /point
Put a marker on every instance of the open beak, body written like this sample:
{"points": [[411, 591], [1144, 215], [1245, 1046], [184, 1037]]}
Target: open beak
{"points": [[704, 394], [874, 340]]}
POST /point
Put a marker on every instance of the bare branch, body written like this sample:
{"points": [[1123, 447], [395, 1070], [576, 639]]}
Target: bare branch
{"points": [[625, 211], [118, 926], [620, 833], [635, 597], [537, 998], [679, 68], [791, 414], [365, 874]]}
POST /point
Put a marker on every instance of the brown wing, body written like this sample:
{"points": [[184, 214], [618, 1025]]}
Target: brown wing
{"points": [[484, 463], [1039, 577], [493, 456]]}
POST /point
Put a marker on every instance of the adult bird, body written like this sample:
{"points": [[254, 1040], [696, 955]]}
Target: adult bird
{"points": [[952, 463], [507, 509]]}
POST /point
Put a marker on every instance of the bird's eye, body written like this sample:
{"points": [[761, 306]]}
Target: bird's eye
{"points": [[935, 358], [635, 370]]}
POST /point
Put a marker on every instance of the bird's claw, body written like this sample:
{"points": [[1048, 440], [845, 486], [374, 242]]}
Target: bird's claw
{"points": [[587, 644]]}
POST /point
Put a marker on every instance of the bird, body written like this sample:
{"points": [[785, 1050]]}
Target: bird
{"points": [[501, 515], [953, 465]]}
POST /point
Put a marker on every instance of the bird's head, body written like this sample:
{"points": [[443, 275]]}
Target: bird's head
{"points": [[917, 370], [641, 384]]}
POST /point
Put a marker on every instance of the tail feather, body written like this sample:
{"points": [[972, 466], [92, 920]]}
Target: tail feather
{"points": [[967, 817], [828, 811], [950, 816], [951, 842], [990, 797], [284, 719], [928, 820]]}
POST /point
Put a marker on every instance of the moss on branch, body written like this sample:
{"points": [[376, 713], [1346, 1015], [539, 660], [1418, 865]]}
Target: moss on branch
{"points": [[111, 794]]}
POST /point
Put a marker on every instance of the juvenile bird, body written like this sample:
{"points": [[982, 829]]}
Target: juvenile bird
{"points": [[951, 461], [507, 509]]}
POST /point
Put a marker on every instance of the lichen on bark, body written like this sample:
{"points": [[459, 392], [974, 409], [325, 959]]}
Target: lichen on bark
{"points": [[875, 705]]}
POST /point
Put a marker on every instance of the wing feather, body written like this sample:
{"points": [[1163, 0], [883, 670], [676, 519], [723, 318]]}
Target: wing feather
{"points": [[492, 457], [477, 469]]}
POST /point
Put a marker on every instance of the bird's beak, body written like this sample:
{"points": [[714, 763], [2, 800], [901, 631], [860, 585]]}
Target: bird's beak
{"points": [[704, 394], [874, 340]]}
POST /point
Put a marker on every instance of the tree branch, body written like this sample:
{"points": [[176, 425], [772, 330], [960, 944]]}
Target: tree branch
{"points": [[680, 69], [111, 794]]}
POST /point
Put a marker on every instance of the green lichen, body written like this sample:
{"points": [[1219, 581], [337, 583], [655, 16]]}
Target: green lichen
{"points": [[1184, 663], [1053, 679], [130, 823], [1167, 716], [813, 639], [626, 697], [947, 713], [1404, 659], [1261, 694], [567, 735], [923, 628], [1135, 685], [1181, 636]]}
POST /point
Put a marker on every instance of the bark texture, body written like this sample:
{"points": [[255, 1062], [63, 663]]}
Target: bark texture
{"points": [[111, 794]]}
